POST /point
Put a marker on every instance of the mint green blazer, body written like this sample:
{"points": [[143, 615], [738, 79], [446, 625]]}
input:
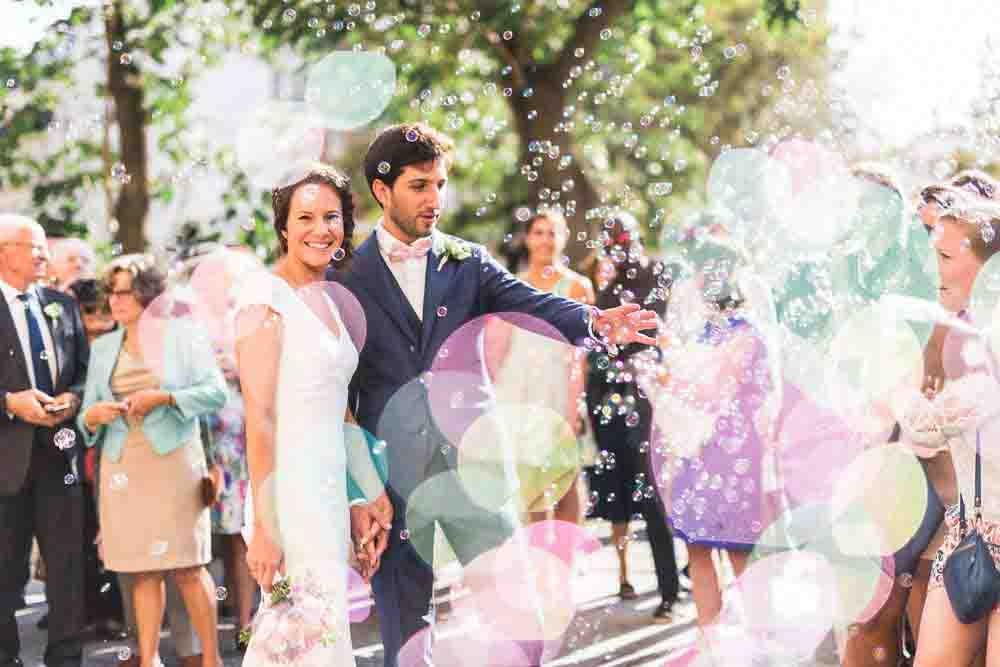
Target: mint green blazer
{"points": [[190, 373]]}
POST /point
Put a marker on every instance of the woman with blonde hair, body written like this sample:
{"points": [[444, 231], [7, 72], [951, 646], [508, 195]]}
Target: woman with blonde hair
{"points": [[964, 231]]}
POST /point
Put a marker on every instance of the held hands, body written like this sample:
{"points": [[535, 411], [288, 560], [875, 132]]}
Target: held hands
{"points": [[624, 324], [371, 525]]}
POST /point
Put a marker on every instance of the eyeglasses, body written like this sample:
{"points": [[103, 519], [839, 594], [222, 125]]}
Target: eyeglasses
{"points": [[95, 310], [120, 292]]}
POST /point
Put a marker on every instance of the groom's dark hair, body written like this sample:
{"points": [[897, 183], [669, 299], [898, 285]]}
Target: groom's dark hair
{"points": [[399, 146]]}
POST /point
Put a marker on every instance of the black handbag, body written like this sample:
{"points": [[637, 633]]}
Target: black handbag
{"points": [[970, 576]]}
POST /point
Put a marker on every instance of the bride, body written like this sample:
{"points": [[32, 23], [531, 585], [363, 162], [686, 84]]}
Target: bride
{"points": [[296, 359]]}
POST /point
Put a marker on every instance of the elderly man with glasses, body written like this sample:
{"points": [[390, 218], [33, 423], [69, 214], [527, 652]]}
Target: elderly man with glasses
{"points": [[45, 353]]}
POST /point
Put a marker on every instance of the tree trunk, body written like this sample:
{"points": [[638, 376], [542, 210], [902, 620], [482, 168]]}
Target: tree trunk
{"points": [[580, 196], [125, 87]]}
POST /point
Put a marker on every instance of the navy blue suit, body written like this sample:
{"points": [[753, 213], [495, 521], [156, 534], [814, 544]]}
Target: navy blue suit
{"points": [[390, 399]]}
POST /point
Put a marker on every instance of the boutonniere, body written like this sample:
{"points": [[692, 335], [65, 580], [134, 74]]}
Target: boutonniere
{"points": [[450, 248], [54, 311]]}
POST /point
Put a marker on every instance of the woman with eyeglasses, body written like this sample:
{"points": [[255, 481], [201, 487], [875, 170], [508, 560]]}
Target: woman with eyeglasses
{"points": [[154, 517]]}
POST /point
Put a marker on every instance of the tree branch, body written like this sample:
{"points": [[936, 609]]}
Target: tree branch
{"points": [[587, 31], [507, 54]]}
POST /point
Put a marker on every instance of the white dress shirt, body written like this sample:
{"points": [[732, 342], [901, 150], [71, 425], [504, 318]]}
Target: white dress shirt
{"points": [[410, 275], [10, 295]]}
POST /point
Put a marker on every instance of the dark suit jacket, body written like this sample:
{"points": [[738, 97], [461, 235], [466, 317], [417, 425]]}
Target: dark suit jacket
{"points": [[387, 396], [72, 353]]}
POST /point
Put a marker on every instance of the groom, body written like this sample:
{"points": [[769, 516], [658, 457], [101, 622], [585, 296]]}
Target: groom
{"points": [[417, 286]]}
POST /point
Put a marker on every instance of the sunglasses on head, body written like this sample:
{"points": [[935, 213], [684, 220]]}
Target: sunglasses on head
{"points": [[975, 185]]}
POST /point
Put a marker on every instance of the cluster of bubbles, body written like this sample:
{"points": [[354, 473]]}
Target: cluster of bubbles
{"points": [[830, 277]]}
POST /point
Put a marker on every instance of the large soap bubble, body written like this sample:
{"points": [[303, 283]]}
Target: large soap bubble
{"points": [[349, 89], [741, 181], [277, 135], [866, 522], [528, 452], [816, 211]]}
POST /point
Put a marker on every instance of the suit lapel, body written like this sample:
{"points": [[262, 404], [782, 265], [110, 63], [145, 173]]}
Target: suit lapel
{"points": [[375, 274], [435, 288], [9, 333], [53, 324]]}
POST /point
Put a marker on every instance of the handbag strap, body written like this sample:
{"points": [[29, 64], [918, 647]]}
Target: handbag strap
{"points": [[979, 481], [977, 501]]}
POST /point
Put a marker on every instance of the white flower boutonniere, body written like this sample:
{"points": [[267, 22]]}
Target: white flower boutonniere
{"points": [[54, 311], [450, 248]]}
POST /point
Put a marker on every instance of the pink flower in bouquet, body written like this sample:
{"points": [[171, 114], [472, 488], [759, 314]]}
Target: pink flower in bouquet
{"points": [[297, 620]]}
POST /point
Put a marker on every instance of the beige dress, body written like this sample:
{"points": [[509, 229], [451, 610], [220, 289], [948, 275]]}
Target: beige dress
{"points": [[152, 515]]}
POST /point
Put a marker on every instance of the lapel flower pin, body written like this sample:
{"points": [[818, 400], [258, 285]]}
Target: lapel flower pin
{"points": [[449, 247], [53, 311]]}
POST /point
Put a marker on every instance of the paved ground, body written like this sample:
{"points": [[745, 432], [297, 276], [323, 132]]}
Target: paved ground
{"points": [[605, 631]]}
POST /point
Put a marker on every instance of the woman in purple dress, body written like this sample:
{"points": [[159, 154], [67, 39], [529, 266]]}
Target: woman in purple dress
{"points": [[720, 381]]}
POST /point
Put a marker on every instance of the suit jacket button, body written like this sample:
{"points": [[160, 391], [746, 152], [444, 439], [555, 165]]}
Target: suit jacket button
{"points": [[413, 348]]}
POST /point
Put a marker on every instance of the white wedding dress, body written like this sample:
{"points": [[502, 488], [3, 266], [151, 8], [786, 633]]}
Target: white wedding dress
{"points": [[312, 456]]}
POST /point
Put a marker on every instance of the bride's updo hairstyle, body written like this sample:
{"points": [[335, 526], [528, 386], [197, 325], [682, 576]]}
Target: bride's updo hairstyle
{"points": [[316, 173]]}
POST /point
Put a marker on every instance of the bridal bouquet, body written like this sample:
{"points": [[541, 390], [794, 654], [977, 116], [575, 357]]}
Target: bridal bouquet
{"points": [[296, 621]]}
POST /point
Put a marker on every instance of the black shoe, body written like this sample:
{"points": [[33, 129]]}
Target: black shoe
{"points": [[664, 613], [110, 630]]}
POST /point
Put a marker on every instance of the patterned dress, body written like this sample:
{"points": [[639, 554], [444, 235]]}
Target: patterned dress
{"points": [[229, 451], [716, 495]]}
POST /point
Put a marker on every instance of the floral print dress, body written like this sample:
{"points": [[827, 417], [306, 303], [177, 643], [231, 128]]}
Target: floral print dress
{"points": [[229, 451]]}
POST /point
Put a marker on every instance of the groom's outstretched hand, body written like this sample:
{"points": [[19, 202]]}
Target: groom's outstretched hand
{"points": [[624, 324]]}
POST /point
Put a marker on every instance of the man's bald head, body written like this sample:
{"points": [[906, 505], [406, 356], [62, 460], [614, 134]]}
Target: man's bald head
{"points": [[72, 259]]}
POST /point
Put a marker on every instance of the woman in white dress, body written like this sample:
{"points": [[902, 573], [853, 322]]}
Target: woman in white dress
{"points": [[533, 368], [296, 359]]}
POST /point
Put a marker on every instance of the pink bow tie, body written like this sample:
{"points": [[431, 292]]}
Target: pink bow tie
{"points": [[404, 253]]}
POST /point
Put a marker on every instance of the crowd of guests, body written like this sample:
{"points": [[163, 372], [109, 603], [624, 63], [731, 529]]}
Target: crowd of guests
{"points": [[179, 441], [169, 422]]}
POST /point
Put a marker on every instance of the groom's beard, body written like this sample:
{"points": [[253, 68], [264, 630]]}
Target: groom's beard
{"points": [[413, 226]]}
